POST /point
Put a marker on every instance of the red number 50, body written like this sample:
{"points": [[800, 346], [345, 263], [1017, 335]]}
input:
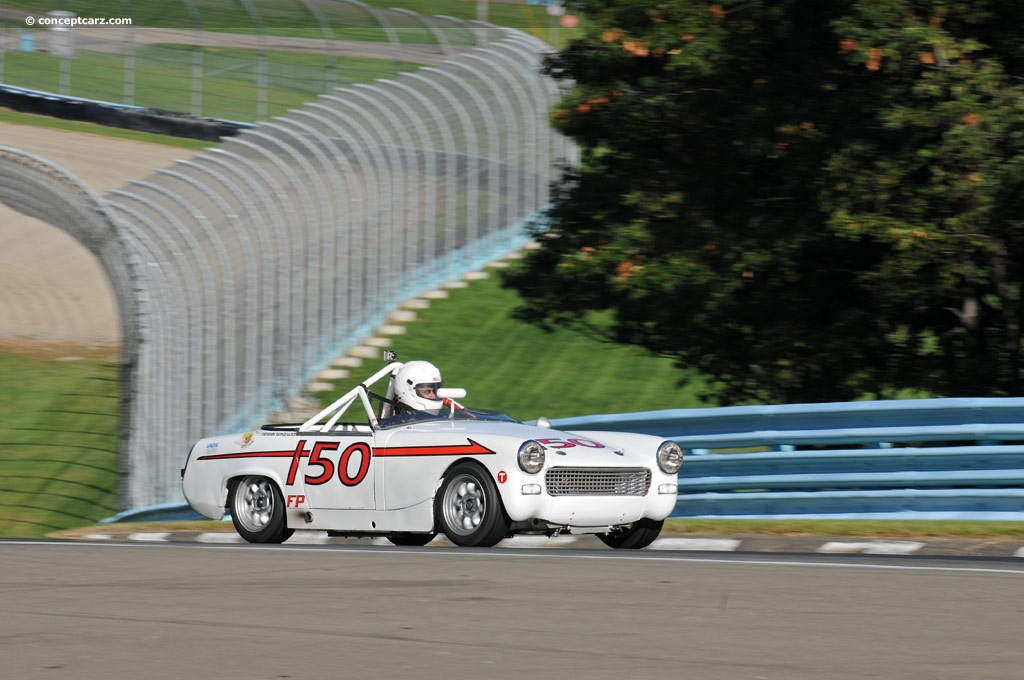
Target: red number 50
{"points": [[343, 463], [364, 464]]}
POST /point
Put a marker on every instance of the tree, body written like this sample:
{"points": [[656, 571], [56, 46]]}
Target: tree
{"points": [[806, 201]]}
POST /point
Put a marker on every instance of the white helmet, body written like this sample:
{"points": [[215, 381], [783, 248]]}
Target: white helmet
{"points": [[416, 386]]}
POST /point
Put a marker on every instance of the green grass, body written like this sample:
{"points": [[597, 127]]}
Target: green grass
{"points": [[526, 372], [163, 77], [58, 439]]}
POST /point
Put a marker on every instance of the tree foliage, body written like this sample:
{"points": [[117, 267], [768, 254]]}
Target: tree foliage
{"points": [[807, 201]]}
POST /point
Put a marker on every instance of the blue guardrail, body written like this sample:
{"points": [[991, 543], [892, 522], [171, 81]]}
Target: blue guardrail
{"points": [[911, 459]]}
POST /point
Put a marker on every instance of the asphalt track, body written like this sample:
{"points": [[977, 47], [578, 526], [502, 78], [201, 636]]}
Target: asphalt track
{"points": [[122, 610]]}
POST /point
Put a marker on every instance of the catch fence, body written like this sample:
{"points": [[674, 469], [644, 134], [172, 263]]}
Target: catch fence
{"points": [[243, 270]]}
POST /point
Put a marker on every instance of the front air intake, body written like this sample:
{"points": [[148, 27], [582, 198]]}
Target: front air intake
{"points": [[564, 481]]}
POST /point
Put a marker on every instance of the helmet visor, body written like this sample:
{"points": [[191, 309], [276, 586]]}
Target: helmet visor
{"points": [[427, 390]]}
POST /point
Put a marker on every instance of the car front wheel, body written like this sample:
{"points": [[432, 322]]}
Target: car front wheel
{"points": [[639, 534], [468, 508], [257, 510]]}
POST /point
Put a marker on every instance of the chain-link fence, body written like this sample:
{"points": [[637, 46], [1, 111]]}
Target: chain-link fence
{"points": [[244, 270], [239, 60]]}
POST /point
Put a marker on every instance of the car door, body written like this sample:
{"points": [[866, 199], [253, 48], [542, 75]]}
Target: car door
{"points": [[412, 460], [337, 472]]}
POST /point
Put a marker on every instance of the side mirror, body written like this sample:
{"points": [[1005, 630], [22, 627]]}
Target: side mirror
{"points": [[451, 393], [543, 422]]}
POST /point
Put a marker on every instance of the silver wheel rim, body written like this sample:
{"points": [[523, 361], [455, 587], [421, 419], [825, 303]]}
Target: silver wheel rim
{"points": [[254, 503], [464, 505]]}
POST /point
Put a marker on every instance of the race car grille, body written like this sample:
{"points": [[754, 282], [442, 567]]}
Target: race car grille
{"points": [[562, 481]]}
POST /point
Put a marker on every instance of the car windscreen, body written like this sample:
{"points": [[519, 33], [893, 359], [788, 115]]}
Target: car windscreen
{"points": [[446, 414]]}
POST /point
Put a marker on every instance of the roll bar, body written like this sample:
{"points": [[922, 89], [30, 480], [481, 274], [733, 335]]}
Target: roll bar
{"points": [[335, 410]]}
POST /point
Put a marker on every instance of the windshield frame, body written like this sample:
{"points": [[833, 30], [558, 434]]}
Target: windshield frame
{"points": [[446, 415]]}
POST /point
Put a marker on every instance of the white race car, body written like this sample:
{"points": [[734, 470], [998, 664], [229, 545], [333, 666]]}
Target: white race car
{"points": [[477, 476]]}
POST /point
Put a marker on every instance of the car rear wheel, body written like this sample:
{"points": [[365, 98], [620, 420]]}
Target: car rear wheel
{"points": [[468, 507], [257, 510], [639, 534], [408, 539]]}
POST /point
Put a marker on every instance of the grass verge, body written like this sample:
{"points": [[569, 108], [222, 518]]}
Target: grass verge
{"points": [[163, 78], [59, 463], [526, 372]]}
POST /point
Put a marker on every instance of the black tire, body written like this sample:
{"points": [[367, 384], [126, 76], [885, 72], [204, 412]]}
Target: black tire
{"points": [[639, 534], [257, 510], [408, 539], [468, 509]]}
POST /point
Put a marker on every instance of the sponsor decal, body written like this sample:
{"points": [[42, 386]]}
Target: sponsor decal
{"points": [[502, 477], [247, 440]]}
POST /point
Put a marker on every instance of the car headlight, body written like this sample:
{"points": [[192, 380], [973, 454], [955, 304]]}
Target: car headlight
{"points": [[670, 457], [531, 457]]}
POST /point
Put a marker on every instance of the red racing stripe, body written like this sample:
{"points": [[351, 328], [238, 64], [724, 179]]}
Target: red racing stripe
{"points": [[472, 448], [251, 454]]}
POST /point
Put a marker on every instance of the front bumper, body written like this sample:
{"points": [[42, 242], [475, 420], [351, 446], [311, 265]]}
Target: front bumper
{"points": [[527, 498]]}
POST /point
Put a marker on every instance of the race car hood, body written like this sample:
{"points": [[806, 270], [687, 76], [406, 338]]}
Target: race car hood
{"points": [[585, 448]]}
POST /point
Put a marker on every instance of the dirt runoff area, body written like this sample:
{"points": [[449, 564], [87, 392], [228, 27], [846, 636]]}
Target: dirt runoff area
{"points": [[53, 290]]}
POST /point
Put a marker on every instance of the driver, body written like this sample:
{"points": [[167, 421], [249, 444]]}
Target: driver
{"points": [[416, 385]]}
